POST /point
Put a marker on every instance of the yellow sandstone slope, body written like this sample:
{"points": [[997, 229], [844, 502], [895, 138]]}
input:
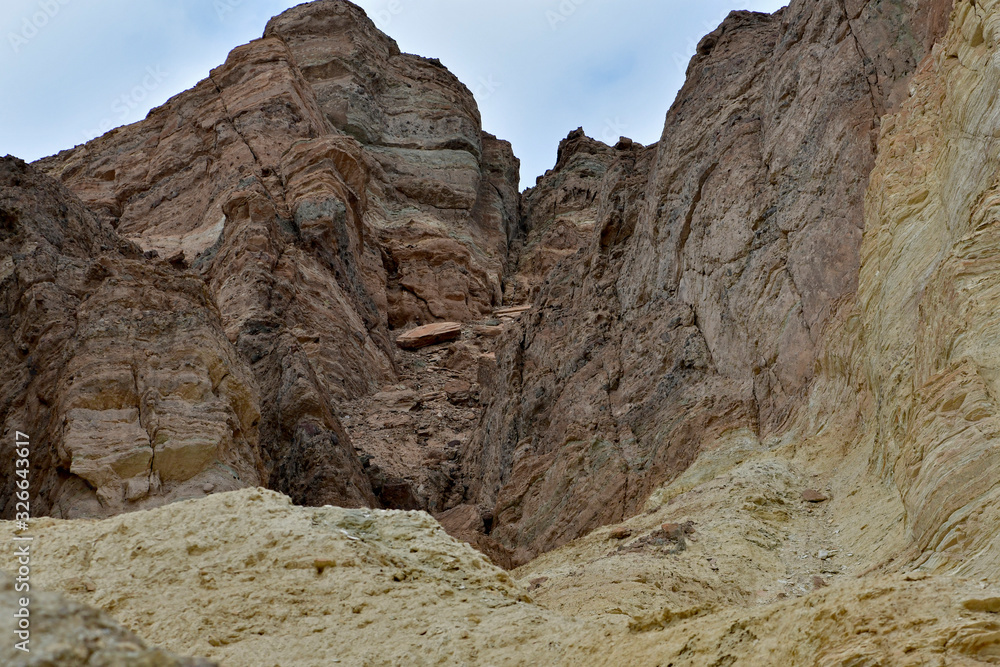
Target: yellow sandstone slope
{"points": [[246, 578]]}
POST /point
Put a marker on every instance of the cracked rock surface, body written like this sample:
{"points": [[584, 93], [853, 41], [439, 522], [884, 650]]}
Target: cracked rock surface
{"points": [[718, 259]]}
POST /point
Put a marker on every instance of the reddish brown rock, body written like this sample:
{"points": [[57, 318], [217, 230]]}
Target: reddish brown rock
{"points": [[465, 522], [536, 583], [513, 311], [697, 304], [321, 208], [462, 519], [436, 177], [117, 368], [620, 533], [676, 531], [814, 496], [429, 334], [559, 212], [177, 259], [458, 391], [487, 331]]}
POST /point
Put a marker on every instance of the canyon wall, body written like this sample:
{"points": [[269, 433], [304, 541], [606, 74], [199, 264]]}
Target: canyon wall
{"points": [[701, 300], [264, 236], [315, 192], [927, 300], [765, 349], [118, 368]]}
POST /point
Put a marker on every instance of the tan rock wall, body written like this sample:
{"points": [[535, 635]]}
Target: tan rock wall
{"points": [[927, 296], [118, 367]]}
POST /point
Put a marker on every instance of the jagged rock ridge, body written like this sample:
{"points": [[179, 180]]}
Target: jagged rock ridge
{"points": [[317, 190]]}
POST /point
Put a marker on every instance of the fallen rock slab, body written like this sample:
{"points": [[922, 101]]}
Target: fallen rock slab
{"points": [[487, 331], [513, 311], [429, 334], [814, 496]]}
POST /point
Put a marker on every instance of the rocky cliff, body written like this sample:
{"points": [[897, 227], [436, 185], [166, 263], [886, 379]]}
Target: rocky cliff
{"points": [[118, 367], [745, 411], [701, 301], [316, 191], [928, 352]]}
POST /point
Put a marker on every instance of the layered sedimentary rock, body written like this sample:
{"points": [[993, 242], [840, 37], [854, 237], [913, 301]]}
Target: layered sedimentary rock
{"points": [[117, 367], [327, 188], [784, 310], [716, 264], [927, 299], [445, 197], [377, 156]]}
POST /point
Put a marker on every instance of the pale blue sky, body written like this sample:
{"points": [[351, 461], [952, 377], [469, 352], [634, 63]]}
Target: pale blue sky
{"points": [[72, 69]]}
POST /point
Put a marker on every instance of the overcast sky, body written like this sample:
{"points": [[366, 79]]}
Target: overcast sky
{"points": [[72, 69]]}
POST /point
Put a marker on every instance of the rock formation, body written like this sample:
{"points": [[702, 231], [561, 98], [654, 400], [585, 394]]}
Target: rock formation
{"points": [[429, 334], [740, 407], [117, 367], [70, 634], [560, 211], [264, 583], [927, 349], [718, 259], [324, 187]]}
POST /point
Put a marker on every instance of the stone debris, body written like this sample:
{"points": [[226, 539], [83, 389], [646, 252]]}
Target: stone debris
{"points": [[429, 334], [814, 496], [513, 311]]}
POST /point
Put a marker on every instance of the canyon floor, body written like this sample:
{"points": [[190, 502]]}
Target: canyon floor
{"points": [[737, 569]]}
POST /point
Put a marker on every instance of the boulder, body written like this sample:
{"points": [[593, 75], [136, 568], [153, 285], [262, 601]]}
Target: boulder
{"points": [[429, 334]]}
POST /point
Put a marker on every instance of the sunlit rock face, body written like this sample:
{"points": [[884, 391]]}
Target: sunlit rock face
{"points": [[927, 298]]}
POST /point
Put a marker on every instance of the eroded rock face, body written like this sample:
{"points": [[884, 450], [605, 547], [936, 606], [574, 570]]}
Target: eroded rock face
{"points": [[376, 155], [118, 368], [716, 264], [445, 192], [927, 299], [850, 521], [559, 212], [327, 188]]}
